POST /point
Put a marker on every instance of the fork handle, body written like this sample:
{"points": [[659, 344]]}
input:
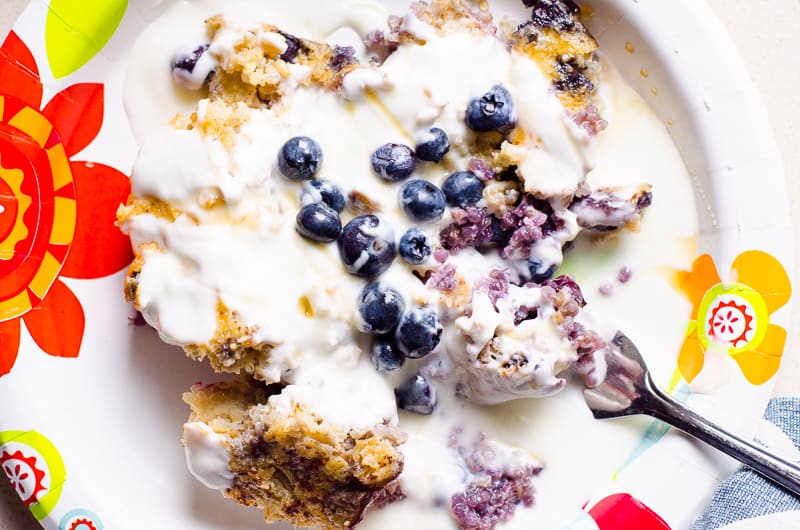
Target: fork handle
{"points": [[764, 462]]}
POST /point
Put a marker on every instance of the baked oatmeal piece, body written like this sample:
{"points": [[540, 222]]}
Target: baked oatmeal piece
{"points": [[258, 66], [557, 40], [155, 209], [439, 16], [607, 209], [373, 240], [233, 348], [449, 15], [287, 461], [515, 340], [527, 200]]}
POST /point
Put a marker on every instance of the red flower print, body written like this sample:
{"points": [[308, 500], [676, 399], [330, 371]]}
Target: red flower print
{"points": [[25, 476], [56, 213], [82, 524], [730, 322], [622, 511]]}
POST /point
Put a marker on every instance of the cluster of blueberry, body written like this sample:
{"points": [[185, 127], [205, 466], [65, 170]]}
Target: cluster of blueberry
{"points": [[318, 219], [367, 248], [422, 200], [561, 15], [367, 244], [399, 334], [383, 312]]}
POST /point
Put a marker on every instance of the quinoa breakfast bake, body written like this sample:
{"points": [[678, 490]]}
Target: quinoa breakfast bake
{"points": [[363, 233], [286, 460]]}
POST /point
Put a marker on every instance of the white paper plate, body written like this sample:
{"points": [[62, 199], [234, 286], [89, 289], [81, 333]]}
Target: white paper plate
{"points": [[91, 411]]}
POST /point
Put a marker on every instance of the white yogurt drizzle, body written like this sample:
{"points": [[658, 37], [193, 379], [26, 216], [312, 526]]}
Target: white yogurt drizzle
{"points": [[249, 256], [207, 456]]}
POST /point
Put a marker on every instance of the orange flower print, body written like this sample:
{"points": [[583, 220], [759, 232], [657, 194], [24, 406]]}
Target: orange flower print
{"points": [[735, 314], [56, 213]]}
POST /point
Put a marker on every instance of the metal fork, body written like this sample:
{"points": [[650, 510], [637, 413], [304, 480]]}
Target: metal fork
{"points": [[628, 389]]}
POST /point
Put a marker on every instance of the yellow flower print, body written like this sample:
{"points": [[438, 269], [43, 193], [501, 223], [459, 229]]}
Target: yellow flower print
{"points": [[735, 314]]}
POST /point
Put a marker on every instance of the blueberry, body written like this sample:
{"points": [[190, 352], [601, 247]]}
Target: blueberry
{"points": [[415, 394], [319, 222], [293, 47], [498, 234], [463, 189], [323, 191], [385, 355], [380, 308], [540, 273], [194, 68], [560, 15], [366, 246], [341, 57], [414, 246], [433, 145], [422, 201], [299, 158], [393, 162], [572, 79], [419, 332], [493, 111]]}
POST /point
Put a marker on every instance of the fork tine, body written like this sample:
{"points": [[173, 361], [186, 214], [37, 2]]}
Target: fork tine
{"points": [[629, 359], [628, 390], [605, 401], [624, 382]]}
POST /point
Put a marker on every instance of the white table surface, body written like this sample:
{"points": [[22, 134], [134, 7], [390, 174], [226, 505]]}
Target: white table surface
{"points": [[766, 34]]}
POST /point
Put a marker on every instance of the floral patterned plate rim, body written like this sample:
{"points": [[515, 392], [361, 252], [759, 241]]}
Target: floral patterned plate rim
{"points": [[79, 384]]}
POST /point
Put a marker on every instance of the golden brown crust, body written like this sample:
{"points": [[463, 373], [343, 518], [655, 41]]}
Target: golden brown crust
{"points": [[563, 48], [232, 350], [292, 464], [221, 120], [146, 205], [256, 72], [228, 401], [445, 15]]}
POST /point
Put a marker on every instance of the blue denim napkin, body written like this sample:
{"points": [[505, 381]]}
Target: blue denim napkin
{"points": [[746, 495]]}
